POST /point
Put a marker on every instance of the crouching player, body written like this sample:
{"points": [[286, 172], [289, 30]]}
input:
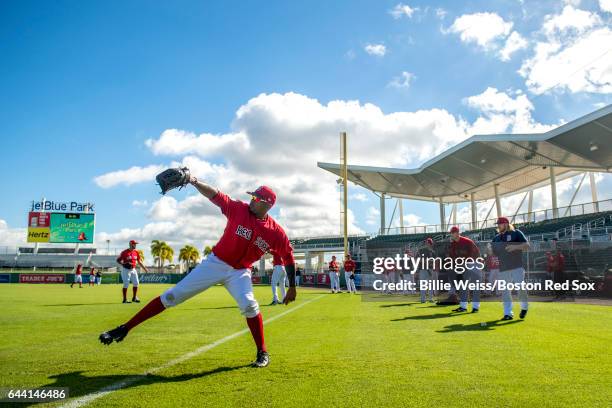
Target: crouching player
{"points": [[249, 233]]}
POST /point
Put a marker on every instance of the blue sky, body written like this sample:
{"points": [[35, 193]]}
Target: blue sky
{"points": [[85, 84]]}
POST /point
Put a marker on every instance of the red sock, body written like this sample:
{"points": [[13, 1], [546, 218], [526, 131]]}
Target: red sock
{"points": [[153, 308], [134, 290], [256, 326], [124, 293]]}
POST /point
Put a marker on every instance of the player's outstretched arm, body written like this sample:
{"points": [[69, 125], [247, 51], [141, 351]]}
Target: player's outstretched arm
{"points": [[204, 189], [291, 293]]}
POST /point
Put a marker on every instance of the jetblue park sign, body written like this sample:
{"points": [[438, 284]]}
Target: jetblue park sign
{"points": [[57, 206]]}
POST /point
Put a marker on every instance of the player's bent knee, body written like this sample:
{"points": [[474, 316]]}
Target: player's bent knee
{"points": [[168, 299], [251, 309]]}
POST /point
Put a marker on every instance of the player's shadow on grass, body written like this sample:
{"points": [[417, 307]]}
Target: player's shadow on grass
{"points": [[400, 304], [429, 316], [82, 304], [81, 385], [490, 325]]}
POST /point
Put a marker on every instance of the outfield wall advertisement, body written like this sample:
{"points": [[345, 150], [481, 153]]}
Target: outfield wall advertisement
{"points": [[61, 227]]}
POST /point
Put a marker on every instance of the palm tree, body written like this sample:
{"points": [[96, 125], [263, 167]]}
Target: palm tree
{"points": [[162, 252], [207, 251], [189, 254], [141, 253], [156, 250]]}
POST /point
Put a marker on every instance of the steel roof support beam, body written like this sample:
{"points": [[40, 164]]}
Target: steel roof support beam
{"points": [[553, 192]]}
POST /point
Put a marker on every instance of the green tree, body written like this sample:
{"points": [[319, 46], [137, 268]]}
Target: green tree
{"points": [[161, 252], [207, 250], [189, 255]]}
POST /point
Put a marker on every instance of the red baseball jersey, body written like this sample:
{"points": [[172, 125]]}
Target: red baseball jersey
{"points": [[247, 238], [349, 265], [92, 271], [492, 262], [464, 248], [276, 259], [333, 266], [129, 257], [79, 270]]}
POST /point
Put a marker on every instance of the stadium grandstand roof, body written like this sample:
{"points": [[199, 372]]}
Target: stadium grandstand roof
{"points": [[514, 162]]}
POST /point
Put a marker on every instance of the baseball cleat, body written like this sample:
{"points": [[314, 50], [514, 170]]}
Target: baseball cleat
{"points": [[263, 359], [126, 301], [117, 334], [274, 302], [474, 310], [460, 309], [523, 313], [507, 317], [136, 300]]}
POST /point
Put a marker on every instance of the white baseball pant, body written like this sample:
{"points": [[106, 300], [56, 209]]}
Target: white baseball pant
{"points": [[471, 275], [350, 283], [78, 278], [129, 275], [513, 276], [209, 272], [278, 278], [334, 280], [426, 276]]}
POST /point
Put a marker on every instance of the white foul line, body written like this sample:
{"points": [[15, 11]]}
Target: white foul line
{"points": [[86, 399]]}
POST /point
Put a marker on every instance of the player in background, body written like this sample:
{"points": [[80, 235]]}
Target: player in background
{"points": [[492, 265], [298, 274], [426, 274], [463, 247], [555, 265], [508, 245], [249, 234], [128, 259], [92, 276], [334, 275], [78, 276], [349, 274], [278, 278], [98, 277]]}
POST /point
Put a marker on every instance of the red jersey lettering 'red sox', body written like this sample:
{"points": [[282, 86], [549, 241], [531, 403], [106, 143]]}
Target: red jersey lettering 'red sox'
{"points": [[129, 257], [247, 238]]}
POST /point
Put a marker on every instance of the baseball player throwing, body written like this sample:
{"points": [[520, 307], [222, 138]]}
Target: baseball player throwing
{"points": [[249, 233]]}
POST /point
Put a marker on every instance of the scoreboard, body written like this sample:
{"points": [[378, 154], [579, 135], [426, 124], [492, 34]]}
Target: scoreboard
{"points": [[60, 227]]}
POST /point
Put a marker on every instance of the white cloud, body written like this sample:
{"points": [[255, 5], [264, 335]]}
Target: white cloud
{"points": [[133, 175], [287, 134], [11, 237], [441, 13], [373, 216], [573, 55], [177, 142], [502, 113], [359, 197], [483, 29], [402, 10], [606, 5], [403, 80], [140, 203], [514, 42], [378, 50]]}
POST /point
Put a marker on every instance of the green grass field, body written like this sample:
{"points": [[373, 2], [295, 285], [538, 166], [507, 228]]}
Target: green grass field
{"points": [[334, 351]]}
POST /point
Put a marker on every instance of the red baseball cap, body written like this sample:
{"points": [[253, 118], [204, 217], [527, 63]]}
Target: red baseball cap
{"points": [[454, 229], [265, 194], [133, 242], [429, 241], [502, 220]]}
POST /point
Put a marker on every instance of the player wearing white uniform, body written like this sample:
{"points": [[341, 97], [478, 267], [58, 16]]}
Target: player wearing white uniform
{"points": [[249, 234], [279, 277], [425, 274], [334, 275], [349, 274], [128, 259], [78, 276]]}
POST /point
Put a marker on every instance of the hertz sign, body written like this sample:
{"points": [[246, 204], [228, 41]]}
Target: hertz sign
{"points": [[61, 227]]}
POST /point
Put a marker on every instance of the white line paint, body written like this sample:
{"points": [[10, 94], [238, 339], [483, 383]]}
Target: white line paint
{"points": [[86, 399]]}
